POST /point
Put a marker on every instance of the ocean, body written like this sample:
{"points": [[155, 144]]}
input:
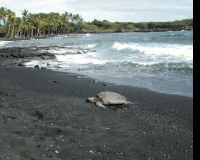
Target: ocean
{"points": [[158, 61]]}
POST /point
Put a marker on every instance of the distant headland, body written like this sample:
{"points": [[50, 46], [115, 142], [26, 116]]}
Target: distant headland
{"points": [[52, 24]]}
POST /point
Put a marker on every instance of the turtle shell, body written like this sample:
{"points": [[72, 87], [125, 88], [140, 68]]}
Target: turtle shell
{"points": [[111, 98]]}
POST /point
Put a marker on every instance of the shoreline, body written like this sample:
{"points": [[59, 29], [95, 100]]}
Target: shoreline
{"points": [[25, 54], [96, 80], [18, 56], [97, 32]]}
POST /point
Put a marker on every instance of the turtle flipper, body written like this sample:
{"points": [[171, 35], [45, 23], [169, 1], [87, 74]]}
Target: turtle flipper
{"points": [[99, 104]]}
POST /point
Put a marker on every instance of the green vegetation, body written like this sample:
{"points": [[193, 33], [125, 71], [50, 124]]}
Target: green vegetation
{"points": [[43, 24]]}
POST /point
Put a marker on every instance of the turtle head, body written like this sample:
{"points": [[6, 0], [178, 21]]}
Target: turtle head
{"points": [[92, 99], [128, 103]]}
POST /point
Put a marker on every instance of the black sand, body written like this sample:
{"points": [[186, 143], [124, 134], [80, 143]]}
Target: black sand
{"points": [[44, 116]]}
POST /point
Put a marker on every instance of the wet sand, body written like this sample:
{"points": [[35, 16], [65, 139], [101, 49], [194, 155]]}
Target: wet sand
{"points": [[44, 116]]}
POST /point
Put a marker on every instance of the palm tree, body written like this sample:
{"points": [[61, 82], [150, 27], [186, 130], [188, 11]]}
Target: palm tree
{"points": [[11, 21], [2, 12], [2, 24], [17, 26]]}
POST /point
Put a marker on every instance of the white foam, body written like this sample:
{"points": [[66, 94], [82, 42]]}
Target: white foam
{"points": [[91, 45], [87, 35], [3, 43], [65, 36], [79, 59], [68, 50], [62, 50], [185, 52], [90, 58]]}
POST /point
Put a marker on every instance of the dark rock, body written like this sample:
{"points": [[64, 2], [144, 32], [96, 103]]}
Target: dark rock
{"points": [[38, 114], [37, 67], [21, 64], [58, 131], [43, 68], [25, 52], [39, 145], [79, 52]]}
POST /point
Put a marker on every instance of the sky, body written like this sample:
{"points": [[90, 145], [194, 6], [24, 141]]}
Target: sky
{"points": [[112, 10]]}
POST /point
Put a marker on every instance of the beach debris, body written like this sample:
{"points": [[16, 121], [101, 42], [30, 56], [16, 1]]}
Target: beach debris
{"points": [[91, 151], [54, 81], [92, 81], [108, 98]]}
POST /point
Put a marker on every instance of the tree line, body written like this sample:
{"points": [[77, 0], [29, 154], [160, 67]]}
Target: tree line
{"points": [[46, 24]]}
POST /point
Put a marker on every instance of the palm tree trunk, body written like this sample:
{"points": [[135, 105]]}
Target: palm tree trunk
{"points": [[8, 33], [32, 32], [38, 31], [13, 28]]}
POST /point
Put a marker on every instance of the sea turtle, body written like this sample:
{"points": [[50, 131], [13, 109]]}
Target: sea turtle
{"points": [[108, 98]]}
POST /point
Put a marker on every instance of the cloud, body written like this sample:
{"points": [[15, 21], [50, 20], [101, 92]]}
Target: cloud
{"points": [[34, 6], [129, 10], [113, 10]]}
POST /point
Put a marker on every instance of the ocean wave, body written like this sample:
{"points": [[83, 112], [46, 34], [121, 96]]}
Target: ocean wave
{"points": [[89, 61], [68, 51], [158, 61], [173, 50], [62, 51]]}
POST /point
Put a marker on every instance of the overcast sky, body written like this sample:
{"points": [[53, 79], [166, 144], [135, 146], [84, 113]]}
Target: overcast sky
{"points": [[112, 10]]}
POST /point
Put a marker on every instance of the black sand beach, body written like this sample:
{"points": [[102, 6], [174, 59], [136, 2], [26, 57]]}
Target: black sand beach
{"points": [[43, 115]]}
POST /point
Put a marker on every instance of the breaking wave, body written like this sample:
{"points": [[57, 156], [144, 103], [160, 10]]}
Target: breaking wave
{"points": [[179, 51]]}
